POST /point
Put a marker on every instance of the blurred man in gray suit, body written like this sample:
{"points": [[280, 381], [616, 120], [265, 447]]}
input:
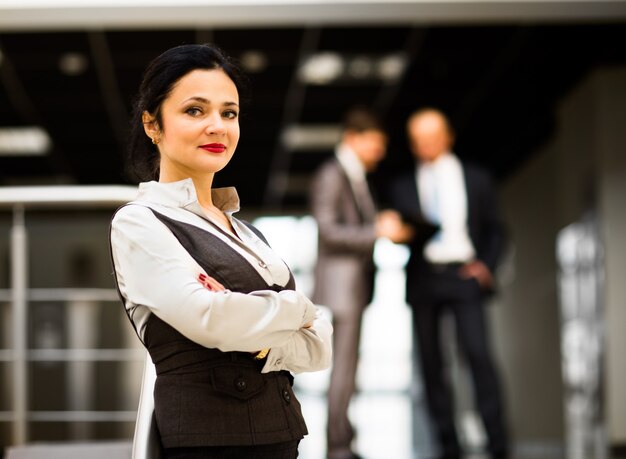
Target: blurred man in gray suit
{"points": [[348, 225]]}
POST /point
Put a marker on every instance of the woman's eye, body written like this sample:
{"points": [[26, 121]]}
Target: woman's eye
{"points": [[230, 114], [193, 111]]}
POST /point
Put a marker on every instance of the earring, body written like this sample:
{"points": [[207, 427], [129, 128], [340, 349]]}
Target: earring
{"points": [[155, 141]]}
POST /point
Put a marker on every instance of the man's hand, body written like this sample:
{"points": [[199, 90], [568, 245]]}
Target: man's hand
{"points": [[478, 270], [389, 224]]}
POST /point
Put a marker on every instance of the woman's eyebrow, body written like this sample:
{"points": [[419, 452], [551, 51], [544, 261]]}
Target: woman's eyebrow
{"points": [[207, 101], [196, 99]]}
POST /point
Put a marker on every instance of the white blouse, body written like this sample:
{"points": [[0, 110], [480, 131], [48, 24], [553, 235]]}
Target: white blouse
{"points": [[156, 275]]}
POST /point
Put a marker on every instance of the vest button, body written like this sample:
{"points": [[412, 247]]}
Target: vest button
{"points": [[286, 395], [241, 384]]}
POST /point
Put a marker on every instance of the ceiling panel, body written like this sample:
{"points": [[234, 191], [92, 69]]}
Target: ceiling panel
{"points": [[500, 84]]}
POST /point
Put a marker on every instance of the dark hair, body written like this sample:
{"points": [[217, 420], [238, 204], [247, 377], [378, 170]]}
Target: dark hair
{"points": [[158, 81], [361, 119]]}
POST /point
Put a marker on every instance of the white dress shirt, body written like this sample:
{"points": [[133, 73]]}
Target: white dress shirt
{"points": [[156, 275], [443, 198]]}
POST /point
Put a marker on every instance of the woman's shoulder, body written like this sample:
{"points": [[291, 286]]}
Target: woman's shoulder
{"points": [[136, 222], [133, 213], [130, 209]]}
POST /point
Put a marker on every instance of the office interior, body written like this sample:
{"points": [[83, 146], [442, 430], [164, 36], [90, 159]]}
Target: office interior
{"points": [[536, 92]]}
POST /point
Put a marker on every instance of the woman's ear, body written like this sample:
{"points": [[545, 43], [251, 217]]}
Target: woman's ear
{"points": [[151, 127]]}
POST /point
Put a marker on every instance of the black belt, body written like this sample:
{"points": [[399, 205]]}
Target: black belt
{"points": [[445, 267]]}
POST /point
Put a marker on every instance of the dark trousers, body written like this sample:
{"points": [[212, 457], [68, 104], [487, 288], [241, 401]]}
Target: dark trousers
{"points": [[346, 336], [445, 291], [288, 450]]}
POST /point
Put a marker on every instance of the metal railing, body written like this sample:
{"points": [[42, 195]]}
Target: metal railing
{"points": [[19, 200]]}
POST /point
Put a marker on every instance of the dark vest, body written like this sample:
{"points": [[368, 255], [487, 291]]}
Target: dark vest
{"points": [[205, 397]]}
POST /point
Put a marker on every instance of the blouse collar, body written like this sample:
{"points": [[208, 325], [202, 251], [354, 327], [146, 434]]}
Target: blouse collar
{"points": [[183, 194]]}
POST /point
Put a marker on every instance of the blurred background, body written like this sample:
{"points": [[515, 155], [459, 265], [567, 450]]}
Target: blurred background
{"points": [[536, 92]]}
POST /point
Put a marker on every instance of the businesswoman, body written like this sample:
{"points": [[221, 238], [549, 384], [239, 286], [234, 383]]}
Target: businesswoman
{"points": [[216, 308]]}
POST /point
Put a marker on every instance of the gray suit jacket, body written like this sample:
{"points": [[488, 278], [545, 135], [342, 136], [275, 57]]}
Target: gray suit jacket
{"points": [[345, 269]]}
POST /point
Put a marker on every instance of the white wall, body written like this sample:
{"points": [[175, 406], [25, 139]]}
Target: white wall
{"points": [[610, 143], [526, 316], [592, 154], [583, 167]]}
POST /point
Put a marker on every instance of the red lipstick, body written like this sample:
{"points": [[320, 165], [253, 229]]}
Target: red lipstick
{"points": [[214, 147]]}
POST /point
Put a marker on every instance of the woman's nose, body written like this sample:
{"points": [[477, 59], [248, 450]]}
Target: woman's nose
{"points": [[215, 124]]}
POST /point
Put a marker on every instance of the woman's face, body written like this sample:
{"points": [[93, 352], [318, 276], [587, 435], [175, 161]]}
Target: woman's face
{"points": [[199, 125]]}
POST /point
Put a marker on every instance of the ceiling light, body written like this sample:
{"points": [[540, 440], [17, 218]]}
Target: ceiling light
{"points": [[73, 64], [327, 67], [360, 67], [253, 61], [321, 68], [311, 137], [391, 67], [24, 141]]}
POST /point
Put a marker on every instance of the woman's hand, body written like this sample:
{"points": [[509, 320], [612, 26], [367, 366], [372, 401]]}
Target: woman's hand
{"points": [[213, 285], [210, 283]]}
